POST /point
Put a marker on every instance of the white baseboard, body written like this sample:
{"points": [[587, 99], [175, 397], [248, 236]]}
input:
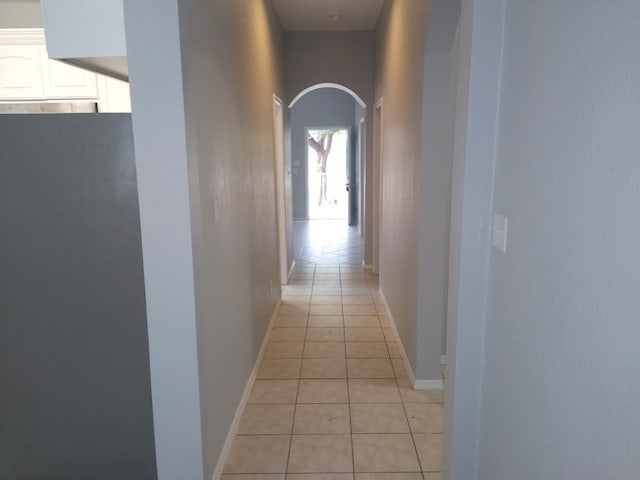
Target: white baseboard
{"points": [[417, 384], [443, 359], [428, 385], [233, 429], [367, 266]]}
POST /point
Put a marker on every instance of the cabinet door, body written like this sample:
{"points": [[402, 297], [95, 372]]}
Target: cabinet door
{"points": [[63, 81], [20, 72]]}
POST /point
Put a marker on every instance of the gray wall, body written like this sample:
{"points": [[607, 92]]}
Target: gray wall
{"points": [[205, 156], [345, 58], [74, 359], [326, 107], [561, 383], [20, 14], [400, 42], [435, 170], [479, 55]]}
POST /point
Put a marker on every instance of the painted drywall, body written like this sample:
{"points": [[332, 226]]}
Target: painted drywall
{"points": [[479, 40], [205, 155], [347, 59], [232, 65], [326, 107], [400, 41], [434, 189], [153, 42], [91, 28], [74, 359], [560, 379], [20, 14]]}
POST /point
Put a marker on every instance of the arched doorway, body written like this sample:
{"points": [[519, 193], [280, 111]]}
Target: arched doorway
{"points": [[319, 114]]}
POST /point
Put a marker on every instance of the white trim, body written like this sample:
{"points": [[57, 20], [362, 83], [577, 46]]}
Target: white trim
{"points": [[367, 266], [233, 429], [417, 384], [328, 85], [22, 36], [281, 209], [443, 359], [293, 265], [428, 385]]}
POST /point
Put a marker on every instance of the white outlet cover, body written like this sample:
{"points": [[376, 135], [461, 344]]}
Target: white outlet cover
{"points": [[499, 237]]}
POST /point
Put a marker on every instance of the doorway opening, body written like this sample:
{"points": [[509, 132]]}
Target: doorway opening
{"points": [[327, 173]]}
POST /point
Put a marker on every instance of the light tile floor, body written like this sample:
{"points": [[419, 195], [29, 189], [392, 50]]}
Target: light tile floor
{"points": [[326, 242], [331, 400]]}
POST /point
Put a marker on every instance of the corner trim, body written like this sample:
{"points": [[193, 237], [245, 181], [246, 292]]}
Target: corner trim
{"points": [[418, 384], [428, 385], [233, 429], [443, 359]]}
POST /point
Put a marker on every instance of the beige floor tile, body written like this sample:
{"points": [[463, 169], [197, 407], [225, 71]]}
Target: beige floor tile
{"points": [[258, 454], [359, 310], [300, 282], [319, 321], [385, 321], [325, 310], [325, 334], [320, 476], [350, 290], [321, 418], [364, 334], [284, 350], [369, 368], [399, 368], [326, 291], [287, 334], [327, 277], [324, 350], [389, 476], [259, 476], [429, 446], [296, 299], [266, 420], [361, 321], [373, 391], [299, 321], [409, 395], [388, 334], [384, 453], [274, 391], [367, 350], [327, 269], [323, 368], [326, 300], [394, 352], [357, 300], [286, 309], [320, 454], [432, 476], [326, 283], [425, 417], [276, 368], [323, 391], [295, 290], [378, 418]]}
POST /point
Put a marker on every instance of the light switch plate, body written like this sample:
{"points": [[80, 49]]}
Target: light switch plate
{"points": [[499, 236]]}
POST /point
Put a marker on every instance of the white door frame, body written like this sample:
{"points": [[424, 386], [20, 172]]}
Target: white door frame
{"points": [[281, 214], [377, 184]]}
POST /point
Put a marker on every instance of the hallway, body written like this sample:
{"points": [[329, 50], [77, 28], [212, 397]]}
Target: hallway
{"points": [[327, 242], [331, 396]]}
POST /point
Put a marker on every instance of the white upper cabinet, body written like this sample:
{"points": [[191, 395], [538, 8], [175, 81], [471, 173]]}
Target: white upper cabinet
{"points": [[62, 81], [21, 72]]}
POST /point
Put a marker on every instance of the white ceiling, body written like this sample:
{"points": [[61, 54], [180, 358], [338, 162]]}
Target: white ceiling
{"points": [[314, 15]]}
